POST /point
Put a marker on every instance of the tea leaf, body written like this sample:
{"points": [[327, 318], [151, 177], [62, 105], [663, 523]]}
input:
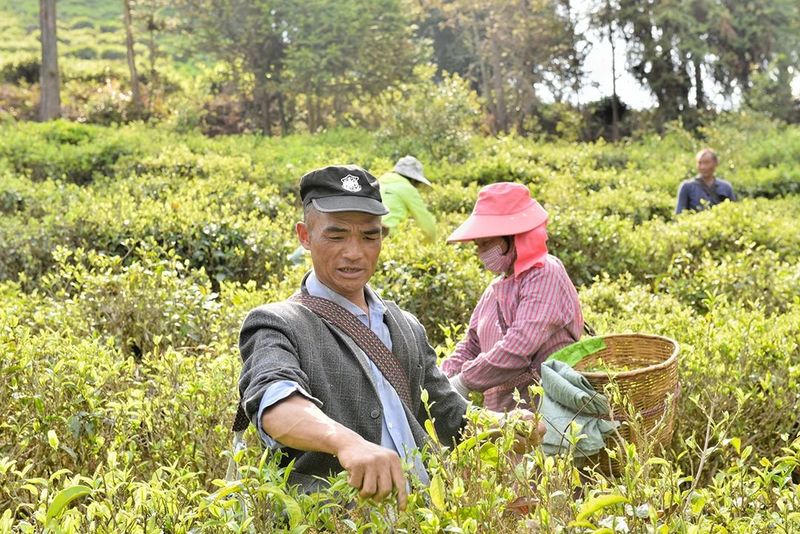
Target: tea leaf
{"points": [[593, 506], [437, 492], [64, 497]]}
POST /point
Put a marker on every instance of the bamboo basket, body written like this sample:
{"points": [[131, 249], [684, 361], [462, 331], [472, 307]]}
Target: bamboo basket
{"points": [[650, 388]]}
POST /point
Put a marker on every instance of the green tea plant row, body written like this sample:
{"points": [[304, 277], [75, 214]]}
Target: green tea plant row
{"points": [[146, 434], [129, 256]]}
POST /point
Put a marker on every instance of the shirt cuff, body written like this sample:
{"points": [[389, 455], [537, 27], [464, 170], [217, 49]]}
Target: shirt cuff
{"points": [[458, 384], [273, 395]]}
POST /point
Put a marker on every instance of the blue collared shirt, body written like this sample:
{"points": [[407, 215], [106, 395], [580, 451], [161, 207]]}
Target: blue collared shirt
{"points": [[396, 432], [692, 195]]}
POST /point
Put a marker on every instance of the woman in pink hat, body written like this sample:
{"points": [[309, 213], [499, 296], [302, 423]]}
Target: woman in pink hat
{"points": [[527, 313]]}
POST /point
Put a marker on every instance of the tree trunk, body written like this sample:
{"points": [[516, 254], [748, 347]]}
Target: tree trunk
{"points": [[310, 122], [154, 89], [497, 81], [151, 48], [282, 113], [135, 89], [49, 82], [614, 100], [319, 119], [698, 85], [486, 91], [261, 97]]}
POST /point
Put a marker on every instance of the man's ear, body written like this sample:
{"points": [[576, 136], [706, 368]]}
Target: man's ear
{"points": [[303, 236]]}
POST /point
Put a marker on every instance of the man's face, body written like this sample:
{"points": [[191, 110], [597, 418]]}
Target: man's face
{"points": [[706, 165], [344, 248]]}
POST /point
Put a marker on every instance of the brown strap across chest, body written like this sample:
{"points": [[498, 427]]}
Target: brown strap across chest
{"points": [[373, 347]]}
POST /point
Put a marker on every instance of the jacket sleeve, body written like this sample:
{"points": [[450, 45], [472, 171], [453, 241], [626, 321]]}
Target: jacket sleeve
{"points": [[416, 207], [446, 405], [269, 355]]}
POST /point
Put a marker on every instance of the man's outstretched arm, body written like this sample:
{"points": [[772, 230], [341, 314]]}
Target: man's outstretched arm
{"points": [[298, 423]]}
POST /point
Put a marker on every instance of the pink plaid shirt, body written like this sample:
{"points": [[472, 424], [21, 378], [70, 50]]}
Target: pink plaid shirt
{"points": [[518, 323]]}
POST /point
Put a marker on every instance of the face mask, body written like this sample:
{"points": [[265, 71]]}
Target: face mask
{"points": [[497, 262]]}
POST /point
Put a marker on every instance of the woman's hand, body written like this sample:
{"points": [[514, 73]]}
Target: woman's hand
{"points": [[529, 430]]}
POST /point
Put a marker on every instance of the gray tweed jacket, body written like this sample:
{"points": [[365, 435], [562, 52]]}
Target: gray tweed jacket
{"points": [[287, 341]]}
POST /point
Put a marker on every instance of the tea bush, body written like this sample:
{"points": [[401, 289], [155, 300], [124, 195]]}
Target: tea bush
{"points": [[734, 355], [130, 255], [76, 153]]}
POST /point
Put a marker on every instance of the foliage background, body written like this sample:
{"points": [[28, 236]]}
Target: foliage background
{"points": [[130, 255], [133, 240], [283, 66]]}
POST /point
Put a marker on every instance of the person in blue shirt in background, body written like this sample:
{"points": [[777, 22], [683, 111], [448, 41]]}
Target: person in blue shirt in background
{"points": [[705, 189]]}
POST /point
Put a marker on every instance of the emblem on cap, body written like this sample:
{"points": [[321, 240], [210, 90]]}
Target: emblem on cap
{"points": [[350, 183]]}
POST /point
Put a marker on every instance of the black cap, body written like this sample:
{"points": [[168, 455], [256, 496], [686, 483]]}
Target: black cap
{"points": [[342, 188]]}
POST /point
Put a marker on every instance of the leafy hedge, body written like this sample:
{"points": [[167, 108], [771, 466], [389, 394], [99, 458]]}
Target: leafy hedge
{"points": [[129, 256]]}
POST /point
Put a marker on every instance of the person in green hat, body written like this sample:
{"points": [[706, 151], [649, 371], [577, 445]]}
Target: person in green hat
{"points": [[399, 189]]}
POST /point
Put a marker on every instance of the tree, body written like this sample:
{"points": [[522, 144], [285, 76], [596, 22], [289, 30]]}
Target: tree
{"points": [[319, 54], [658, 36], [771, 91], [605, 18], [516, 45], [248, 36], [136, 93], [339, 51], [748, 37], [675, 45], [49, 78], [451, 53], [565, 73]]}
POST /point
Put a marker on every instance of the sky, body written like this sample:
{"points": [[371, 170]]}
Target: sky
{"points": [[599, 79]]}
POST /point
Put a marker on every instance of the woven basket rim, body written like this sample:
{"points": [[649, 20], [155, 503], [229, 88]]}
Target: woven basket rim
{"points": [[642, 370]]}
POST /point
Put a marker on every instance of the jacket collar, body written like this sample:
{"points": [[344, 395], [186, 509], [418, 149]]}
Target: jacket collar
{"points": [[397, 324]]}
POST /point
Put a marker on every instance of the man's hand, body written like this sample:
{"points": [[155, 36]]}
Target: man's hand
{"points": [[373, 469], [297, 422]]}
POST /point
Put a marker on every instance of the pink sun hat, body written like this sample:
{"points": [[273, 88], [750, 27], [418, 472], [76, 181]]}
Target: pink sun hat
{"points": [[502, 209]]}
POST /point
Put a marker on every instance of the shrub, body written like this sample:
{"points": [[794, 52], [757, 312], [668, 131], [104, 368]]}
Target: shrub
{"points": [[11, 201], [429, 119], [141, 250], [754, 277], [112, 54], [136, 306], [451, 197], [590, 244], [27, 247], [23, 70], [82, 23], [19, 103], [62, 149], [765, 223], [86, 52]]}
